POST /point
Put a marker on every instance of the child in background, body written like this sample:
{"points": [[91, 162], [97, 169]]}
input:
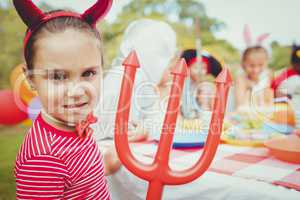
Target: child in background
{"points": [[287, 84], [198, 91], [252, 87], [59, 159]]}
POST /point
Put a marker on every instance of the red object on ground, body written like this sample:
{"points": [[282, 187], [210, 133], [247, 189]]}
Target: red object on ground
{"points": [[159, 173]]}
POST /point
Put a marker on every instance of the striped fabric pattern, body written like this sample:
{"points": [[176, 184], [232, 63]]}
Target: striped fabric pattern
{"points": [[54, 164]]}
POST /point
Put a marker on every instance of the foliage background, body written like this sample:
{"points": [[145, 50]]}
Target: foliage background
{"points": [[181, 14]]}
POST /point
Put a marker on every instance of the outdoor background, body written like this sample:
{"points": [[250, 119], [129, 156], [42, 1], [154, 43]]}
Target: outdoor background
{"points": [[221, 22]]}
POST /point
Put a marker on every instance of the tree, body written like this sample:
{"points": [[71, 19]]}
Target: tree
{"points": [[280, 56], [11, 40], [12, 32], [180, 14]]}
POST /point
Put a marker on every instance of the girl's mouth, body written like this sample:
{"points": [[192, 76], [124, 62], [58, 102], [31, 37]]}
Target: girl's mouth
{"points": [[74, 106]]}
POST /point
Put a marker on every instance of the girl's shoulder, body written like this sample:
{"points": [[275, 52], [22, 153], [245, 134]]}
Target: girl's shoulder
{"points": [[37, 142]]}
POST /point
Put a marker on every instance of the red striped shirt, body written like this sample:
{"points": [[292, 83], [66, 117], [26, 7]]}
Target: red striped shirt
{"points": [[54, 164]]}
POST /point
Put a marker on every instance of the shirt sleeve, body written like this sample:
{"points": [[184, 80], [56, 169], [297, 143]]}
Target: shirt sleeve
{"points": [[41, 177]]}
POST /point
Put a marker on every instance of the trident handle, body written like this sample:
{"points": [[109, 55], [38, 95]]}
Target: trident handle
{"points": [[165, 143]]}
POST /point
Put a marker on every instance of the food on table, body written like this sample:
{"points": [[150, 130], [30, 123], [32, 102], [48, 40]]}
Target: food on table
{"points": [[248, 129]]}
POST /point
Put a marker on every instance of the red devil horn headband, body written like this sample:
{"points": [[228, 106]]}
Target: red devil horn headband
{"points": [[97, 11], [30, 14], [33, 16]]}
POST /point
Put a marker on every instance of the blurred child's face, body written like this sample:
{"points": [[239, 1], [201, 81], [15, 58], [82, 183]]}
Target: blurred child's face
{"points": [[206, 92], [254, 63], [67, 74], [196, 71]]}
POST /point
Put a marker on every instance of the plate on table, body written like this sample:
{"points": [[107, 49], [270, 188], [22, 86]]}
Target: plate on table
{"points": [[240, 136], [286, 149], [188, 134], [253, 131], [189, 139]]}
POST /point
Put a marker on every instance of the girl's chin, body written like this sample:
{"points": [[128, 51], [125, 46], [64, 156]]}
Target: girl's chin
{"points": [[74, 117]]}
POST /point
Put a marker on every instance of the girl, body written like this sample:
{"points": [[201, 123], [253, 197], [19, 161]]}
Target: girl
{"points": [[197, 94], [252, 86], [59, 158], [287, 84]]}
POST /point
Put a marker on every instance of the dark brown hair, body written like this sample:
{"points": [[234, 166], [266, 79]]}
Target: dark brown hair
{"points": [[58, 25], [250, 50]]}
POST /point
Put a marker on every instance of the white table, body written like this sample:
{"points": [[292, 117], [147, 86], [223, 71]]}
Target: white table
{"points": [[211, 186]]}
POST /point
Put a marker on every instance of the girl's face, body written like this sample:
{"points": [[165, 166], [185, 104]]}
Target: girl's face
{"points": [[67, 74], [206, 92], [254, 63], [197, 71]]}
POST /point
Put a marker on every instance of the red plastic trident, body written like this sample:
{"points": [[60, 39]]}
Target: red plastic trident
{"points": [[159, 173]]}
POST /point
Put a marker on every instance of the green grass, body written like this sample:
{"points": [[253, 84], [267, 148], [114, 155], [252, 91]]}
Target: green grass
{"points": [[10, 140]]}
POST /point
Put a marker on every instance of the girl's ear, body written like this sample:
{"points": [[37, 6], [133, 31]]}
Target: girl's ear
{"points": [[29, 76]]}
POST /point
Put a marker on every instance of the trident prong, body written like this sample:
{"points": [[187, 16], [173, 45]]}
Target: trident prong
{"points": [[223, 82], [141, 170], [159, 173]]}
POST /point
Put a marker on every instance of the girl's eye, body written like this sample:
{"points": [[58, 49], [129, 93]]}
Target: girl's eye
{"points": [[57, 76], [89, 73]]}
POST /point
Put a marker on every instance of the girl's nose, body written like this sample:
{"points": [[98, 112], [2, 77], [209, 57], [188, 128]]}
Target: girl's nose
{"points": [[75, 90]]}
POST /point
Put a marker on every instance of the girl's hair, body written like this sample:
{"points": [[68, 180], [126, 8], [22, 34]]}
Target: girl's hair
{"points": [[250, 50], [58, 25], [295, 58], [214, 66]]}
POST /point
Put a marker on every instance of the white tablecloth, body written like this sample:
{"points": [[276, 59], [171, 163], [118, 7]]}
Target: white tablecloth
{"points": [[211, 186]]}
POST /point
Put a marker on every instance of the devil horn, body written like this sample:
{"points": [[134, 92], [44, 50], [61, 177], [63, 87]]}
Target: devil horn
{"points": [[97, 11], [30, 14]]}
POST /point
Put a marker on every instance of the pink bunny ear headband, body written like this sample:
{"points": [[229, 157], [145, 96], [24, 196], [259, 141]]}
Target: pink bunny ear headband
{"points": [[33, 17], [248, 37]]}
